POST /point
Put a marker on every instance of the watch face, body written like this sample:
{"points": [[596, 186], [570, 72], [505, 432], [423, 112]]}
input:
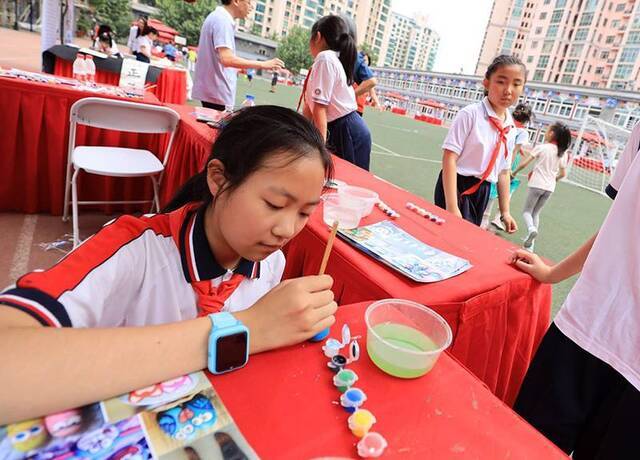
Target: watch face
{"points": [[231, 351]]}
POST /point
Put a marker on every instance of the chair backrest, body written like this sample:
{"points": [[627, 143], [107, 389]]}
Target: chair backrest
{"points": [[124, 115]]}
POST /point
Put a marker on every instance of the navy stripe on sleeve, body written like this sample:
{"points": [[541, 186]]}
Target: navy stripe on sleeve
{"points": [[41, 306]]}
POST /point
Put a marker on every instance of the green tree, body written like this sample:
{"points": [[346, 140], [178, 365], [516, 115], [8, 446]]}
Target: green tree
{"points": [[186, 18], [366, 48], [116, 14], [294, 50]]}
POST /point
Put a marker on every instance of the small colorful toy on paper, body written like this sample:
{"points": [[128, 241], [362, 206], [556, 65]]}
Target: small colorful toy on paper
{"points": [[424, 213]]}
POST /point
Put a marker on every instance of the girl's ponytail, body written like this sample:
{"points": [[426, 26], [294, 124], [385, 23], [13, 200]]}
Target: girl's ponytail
{"points": [[348, 55], [335, 32], [561, 137]]}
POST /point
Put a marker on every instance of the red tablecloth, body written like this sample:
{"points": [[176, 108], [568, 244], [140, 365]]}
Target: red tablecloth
{"points": [[497, 313], [171, 86], [35, 122], [282, 403], [191, 148]]}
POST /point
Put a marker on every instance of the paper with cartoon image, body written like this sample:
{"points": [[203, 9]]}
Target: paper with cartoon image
{"points": [[77, 433], [392, 246], [181, 418]]}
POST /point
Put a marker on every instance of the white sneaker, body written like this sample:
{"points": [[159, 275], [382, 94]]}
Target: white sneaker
{"points": [[528, 242], [498, 223]]}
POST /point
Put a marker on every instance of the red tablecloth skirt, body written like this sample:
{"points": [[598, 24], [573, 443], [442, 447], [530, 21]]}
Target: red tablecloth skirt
{"points": [[171, 86], [497, 313], [34, 145], [282, 403]]}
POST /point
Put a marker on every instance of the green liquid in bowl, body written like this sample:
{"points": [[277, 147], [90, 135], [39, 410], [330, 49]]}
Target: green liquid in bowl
{"points": [[395, 362]]}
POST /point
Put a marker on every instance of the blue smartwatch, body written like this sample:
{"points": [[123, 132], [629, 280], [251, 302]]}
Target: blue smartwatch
{"points": [[228, 343]]}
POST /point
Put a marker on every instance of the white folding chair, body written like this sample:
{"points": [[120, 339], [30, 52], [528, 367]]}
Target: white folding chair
{"points": [[115, 161]]}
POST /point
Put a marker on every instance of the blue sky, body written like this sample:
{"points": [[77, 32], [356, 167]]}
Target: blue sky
{"points": [[460, 34]]}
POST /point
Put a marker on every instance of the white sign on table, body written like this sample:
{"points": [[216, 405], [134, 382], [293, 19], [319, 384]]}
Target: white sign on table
{"points": [[133, 74]]}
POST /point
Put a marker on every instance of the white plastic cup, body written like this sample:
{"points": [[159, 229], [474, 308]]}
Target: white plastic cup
{"points": [[368, 196], [342, 209]]}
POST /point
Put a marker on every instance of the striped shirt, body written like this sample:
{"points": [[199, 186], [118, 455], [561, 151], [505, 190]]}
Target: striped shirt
{"points": [[136, 271]]}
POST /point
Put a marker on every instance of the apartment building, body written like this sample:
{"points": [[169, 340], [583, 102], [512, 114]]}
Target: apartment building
{"points": [[592, 43], [412, 44]]}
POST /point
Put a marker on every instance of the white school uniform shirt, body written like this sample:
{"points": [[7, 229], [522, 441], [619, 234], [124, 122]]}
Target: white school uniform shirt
{"points": [[144, 41], [327, 85], [136, 271], [472, 137], [547, 167], [602, 312], [522, 136], [132, 42]]}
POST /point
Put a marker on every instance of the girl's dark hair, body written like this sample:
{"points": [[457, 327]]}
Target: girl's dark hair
{"points": [[561, 137], [335, 32], [150, 30], [141, 31], [106, 38], [502, 61], [250, 136], [522, 113]]}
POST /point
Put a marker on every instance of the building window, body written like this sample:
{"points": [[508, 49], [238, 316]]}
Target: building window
{"points": [[543, 61], [620, 7], [581, 34], [547, 46], [538, 30], [556, 17], [543, 15], [609, 39], [599, 70], [586, 19], [629, 54], [604, 55], [633, 38], [567, 79], [538, 75], [623, 71], [571, 66], [576, 50], [561, 3], [529, 59], [534, 45], [552, 31]]}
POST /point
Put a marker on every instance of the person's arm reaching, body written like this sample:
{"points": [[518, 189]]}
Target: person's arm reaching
{"points": [[504, 199], [366, 86], [319, 118], [375, 102], [450, 181], [536, 267], [228, 59], [46, 370]]}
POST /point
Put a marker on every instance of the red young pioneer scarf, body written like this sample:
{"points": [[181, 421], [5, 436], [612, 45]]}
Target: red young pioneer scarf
{"points": [[211, 299], [502, 140], [304, 89]]}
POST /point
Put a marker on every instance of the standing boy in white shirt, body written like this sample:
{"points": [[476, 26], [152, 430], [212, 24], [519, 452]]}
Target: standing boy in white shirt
{"points": [[581, 390]]}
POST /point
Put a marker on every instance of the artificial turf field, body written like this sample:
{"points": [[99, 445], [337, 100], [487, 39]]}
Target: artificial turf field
{"points": [[407, 153]]}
